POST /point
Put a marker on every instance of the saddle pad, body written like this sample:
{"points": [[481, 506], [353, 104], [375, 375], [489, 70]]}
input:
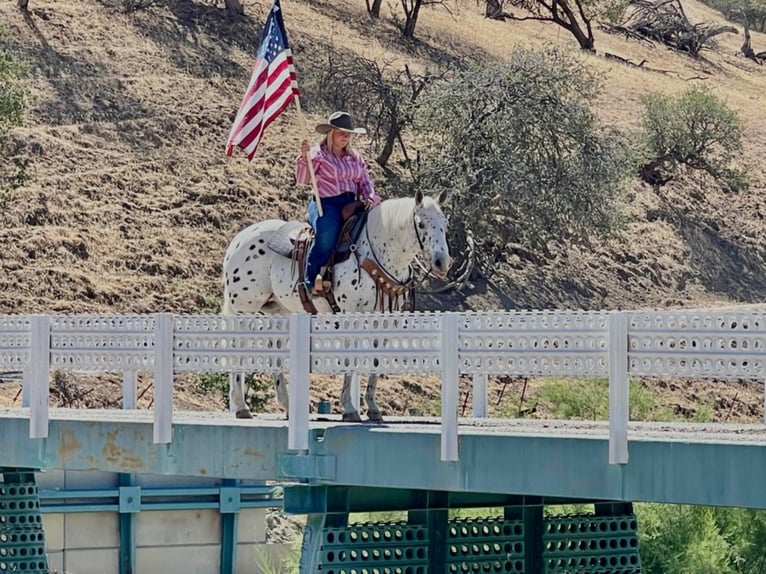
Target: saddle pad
{"points": [[282, 241]]}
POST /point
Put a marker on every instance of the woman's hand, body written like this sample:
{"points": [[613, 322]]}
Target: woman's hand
{"points": [[370, 202], [305, 148]]}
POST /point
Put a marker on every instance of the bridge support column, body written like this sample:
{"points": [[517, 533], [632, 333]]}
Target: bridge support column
{"points": [[130, 504], [436, 520], [22, 540], [515, 537], [531, 516]]}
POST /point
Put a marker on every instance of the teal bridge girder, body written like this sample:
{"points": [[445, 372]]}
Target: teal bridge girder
{"points": [[717, 465]]}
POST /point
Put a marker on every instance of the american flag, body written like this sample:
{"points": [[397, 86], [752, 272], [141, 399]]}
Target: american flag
{"points": [[272, 86]]}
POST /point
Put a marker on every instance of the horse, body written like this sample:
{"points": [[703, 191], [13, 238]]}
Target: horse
{"points": [[257, 279]]}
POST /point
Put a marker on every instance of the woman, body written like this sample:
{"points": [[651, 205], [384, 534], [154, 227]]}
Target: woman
{"points": [[342, 177]]}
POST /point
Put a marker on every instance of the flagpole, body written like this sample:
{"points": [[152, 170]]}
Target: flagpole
{"points": [[314, 188]]}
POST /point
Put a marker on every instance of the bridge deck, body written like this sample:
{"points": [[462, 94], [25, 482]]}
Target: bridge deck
{"points": [[669, 462]]}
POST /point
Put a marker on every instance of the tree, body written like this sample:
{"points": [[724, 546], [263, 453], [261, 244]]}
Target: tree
{"points": [[747, 48], [495, 10], [665, 21], [753, 10], [380, 95], [412, 12], [373, 9], [695, 131], [520, 147], [234, 6], [575, 16]]}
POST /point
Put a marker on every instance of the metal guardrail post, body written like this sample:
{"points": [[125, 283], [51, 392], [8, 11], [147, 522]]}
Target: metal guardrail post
{"points": [[129, 394], [39, 372], [450, 389], [480, 401], [298, 388], [619, 388], [163, 378]]}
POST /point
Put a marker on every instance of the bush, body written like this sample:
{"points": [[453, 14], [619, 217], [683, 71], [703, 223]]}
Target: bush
{"points": [[13, 103], [588, 399], [701, 539], [695, 131], [258, 389], [753, 10], [519, 144]]}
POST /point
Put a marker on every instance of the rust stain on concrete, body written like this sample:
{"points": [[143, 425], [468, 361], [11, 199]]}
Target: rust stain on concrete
{"points": [[69, 444], [254, 453], [119, 456], [202, 472]]}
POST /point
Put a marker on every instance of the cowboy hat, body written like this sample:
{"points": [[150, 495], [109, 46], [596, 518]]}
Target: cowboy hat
{"points": [[339, 121]]}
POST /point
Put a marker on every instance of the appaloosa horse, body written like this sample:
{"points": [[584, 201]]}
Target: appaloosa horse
{"points": [[259, 280]]}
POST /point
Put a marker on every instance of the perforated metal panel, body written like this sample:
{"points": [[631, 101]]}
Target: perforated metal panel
{"points": [[15, 342], [22, 541], [534, 343], [375, 548], [698, 344], [485, 545], [102, 343], [588, 544], [376, 343], [241, 343]]}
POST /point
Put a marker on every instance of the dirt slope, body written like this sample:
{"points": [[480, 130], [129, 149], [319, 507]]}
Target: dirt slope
{"points": [[131, 200]]}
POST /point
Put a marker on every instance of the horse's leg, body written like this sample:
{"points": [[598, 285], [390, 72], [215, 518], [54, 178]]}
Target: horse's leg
{"points": [[350, 414], [237, 396], [280, 386], [373, 412]]}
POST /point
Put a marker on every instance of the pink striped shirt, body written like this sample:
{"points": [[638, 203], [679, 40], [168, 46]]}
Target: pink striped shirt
{"points": [[336, 175]]}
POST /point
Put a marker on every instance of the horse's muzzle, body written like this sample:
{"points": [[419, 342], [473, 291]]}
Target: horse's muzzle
{"points": [[440, 265]]}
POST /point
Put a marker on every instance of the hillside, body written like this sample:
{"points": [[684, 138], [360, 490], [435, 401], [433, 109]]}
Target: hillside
{"points": [[132, 201]]}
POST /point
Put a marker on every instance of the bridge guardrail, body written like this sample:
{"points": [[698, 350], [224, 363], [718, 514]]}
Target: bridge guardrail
{"points": [[720, 344]]}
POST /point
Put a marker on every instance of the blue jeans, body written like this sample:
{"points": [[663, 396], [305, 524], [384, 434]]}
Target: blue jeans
{"points": [[326, 231]]}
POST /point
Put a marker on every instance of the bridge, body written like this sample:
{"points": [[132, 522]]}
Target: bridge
{"points": [[423, 466]]}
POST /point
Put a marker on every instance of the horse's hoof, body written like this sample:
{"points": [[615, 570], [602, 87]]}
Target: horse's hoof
{"points": [[352, 417], [244, 414], [375, 417]]}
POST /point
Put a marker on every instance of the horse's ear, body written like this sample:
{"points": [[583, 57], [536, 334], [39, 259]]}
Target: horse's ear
{"points": [[418, 197], [442, 197]]}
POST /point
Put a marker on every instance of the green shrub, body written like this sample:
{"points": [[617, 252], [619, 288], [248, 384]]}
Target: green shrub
{"points": [[520, 148], [259, 389], [695, 131], [678, 539], [14, 99], [588, 399]]}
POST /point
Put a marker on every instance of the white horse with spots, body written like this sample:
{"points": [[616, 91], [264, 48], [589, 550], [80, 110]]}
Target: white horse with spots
{"points": [[259, 280]]}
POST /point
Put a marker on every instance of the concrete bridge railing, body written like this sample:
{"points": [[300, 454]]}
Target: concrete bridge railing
{"points": [[697, 344]]}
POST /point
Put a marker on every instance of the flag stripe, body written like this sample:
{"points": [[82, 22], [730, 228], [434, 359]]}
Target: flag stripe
{"points": [[269, 97], [272, 87]]}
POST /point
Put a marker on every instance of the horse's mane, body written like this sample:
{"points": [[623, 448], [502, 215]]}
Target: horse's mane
{"points": [[395, 214]]}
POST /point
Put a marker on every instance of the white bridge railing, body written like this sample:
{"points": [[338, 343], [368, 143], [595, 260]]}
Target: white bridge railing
{"points": [[699, 344]]}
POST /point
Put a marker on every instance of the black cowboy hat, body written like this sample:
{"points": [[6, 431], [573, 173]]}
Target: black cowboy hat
{"points": [[339, 121]]}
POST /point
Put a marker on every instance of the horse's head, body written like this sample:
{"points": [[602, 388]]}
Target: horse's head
{"points": [[431, 231]]}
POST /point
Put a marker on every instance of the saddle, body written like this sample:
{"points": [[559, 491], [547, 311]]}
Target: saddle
{"points": [[294, 237]]}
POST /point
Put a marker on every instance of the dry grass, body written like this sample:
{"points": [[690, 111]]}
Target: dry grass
{"points": [[132, 202]]}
